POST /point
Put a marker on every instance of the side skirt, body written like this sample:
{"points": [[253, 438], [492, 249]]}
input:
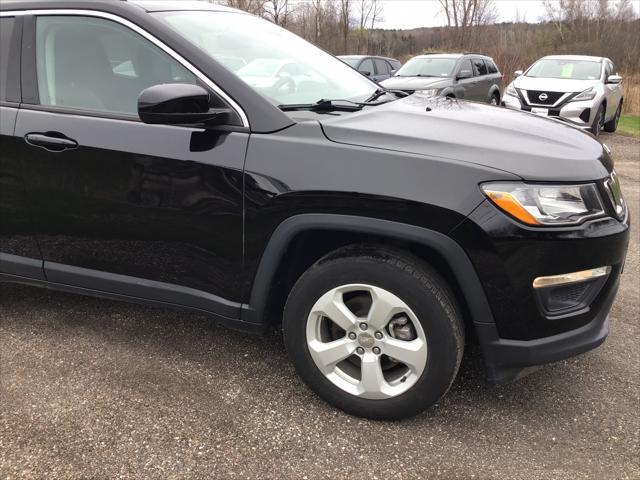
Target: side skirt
{"points": [[134, 295]]}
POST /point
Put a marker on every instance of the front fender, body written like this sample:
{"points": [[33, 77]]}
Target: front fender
{"points": [[448, 249]]}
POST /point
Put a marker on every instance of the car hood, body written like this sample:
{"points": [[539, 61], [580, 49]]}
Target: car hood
{"points": [[553, 84], [415, 83], [523, 144]]}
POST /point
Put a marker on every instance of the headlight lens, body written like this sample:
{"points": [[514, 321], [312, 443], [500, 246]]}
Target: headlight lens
{"points": [[431, 92], [546, 204], [588, 94], [511, 90]]}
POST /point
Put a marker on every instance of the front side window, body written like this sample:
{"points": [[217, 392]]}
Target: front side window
{"points": [[565, 69], [257, 50], [366, 67], [466, 66], [382, 68], [427, 67], [98, 65]]}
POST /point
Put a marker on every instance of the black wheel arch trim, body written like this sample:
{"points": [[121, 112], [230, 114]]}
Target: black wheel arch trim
{"points": [[451, 252]]}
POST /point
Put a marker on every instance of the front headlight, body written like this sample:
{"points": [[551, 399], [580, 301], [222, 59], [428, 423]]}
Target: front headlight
{"points": [[431, 92], [542, 205], [588, 94], [511, 90]]}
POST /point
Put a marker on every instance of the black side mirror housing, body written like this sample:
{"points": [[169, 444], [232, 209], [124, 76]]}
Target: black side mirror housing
{"points": [[464, 74], [177, 104], [366, 73]]}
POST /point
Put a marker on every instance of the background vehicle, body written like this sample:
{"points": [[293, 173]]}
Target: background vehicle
{"points": [[376, 68], [278, 75], [583, 91], [382, 230], [468, 76]]}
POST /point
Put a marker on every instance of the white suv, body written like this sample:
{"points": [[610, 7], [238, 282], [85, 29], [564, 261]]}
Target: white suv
{"points": [[581, 90]]}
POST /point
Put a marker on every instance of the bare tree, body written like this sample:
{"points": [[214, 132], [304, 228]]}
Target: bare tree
{"points": [[345, 23], [464, 14], [252, 6]]}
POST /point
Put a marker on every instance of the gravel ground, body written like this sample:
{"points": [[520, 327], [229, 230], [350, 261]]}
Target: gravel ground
{"points": [[98, 389]]}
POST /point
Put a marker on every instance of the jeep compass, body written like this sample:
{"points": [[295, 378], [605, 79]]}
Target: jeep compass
{"points": [[143, 158]]}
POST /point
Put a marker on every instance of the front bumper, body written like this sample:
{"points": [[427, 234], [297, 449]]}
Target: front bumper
{"points": [[507, 360], [508, 256], [579, 114]]}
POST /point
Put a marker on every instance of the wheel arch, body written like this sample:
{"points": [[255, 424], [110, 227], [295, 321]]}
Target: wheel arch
{"points": [[495, 90], [276, 274]]}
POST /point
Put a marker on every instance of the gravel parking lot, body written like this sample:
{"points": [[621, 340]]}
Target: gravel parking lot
{"points": [[98, 389]]}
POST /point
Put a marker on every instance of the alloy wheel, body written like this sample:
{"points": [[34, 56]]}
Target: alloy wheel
{"points": [[366, 341]]}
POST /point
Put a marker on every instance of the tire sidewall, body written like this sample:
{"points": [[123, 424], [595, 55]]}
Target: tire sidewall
{"points": [[443, 352]]}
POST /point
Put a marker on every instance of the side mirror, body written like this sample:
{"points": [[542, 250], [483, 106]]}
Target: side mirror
{"points": [[176, 104], [366, 73], [614, 79], [517, 73], [463, 74], [393, 72]]}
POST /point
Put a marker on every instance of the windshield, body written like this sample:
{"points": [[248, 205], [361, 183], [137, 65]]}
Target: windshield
{"points": [[261, 67], [351, 61], [568, 69], [255, 50], [428, 67]]}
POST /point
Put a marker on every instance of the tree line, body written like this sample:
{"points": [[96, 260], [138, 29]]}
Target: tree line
{"points": [[607, 28]]}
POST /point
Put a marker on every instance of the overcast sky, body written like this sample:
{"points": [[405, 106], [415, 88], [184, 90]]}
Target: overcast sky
{"points": [[427, 13]]}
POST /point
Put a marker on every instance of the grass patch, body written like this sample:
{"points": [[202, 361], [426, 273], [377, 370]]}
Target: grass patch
{"points": [[630, 124]]}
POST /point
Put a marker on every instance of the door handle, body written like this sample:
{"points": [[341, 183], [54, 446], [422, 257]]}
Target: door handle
{"points": [[52, 141]]}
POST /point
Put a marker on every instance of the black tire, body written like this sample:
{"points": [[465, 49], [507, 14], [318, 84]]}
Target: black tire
{"points": [[419, 286], [612, 125], [495, 100], [598, 121]]}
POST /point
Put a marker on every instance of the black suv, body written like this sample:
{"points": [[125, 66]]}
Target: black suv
{"points": [[386, 231]]}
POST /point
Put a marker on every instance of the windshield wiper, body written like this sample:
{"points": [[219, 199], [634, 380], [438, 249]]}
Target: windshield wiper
{"points": [[324, 106], [342, 105], [383, 91]]}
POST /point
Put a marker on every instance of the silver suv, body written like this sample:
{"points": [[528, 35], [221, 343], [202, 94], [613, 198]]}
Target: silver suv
{"points": [[581, 90], [463, 75]]}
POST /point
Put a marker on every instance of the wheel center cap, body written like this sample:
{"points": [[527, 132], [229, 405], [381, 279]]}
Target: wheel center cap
{"points": [[366, 340]]}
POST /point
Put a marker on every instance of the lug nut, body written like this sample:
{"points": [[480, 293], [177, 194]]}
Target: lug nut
{"points": [[376, 350], [360, 350], [352, 335], [363, 326], [379, 335]]}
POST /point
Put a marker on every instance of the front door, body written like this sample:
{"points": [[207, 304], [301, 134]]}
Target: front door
{"points": [[147, 211]]}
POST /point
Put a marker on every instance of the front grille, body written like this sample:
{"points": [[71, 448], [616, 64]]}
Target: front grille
{"points": [[551, 97]]}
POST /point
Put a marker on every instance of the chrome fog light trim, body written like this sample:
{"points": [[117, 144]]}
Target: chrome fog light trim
{"points": [[565, 278]]}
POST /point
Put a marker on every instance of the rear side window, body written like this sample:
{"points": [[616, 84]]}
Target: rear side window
{"points": [[6, 32], [491, 67], [382, 67], [479, 67], [97, 65]]}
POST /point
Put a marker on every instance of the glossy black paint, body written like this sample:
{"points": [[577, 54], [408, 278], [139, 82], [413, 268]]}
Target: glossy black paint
{"points": [[508, 256], [156, 202], [179, 104], [222, 219]]}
